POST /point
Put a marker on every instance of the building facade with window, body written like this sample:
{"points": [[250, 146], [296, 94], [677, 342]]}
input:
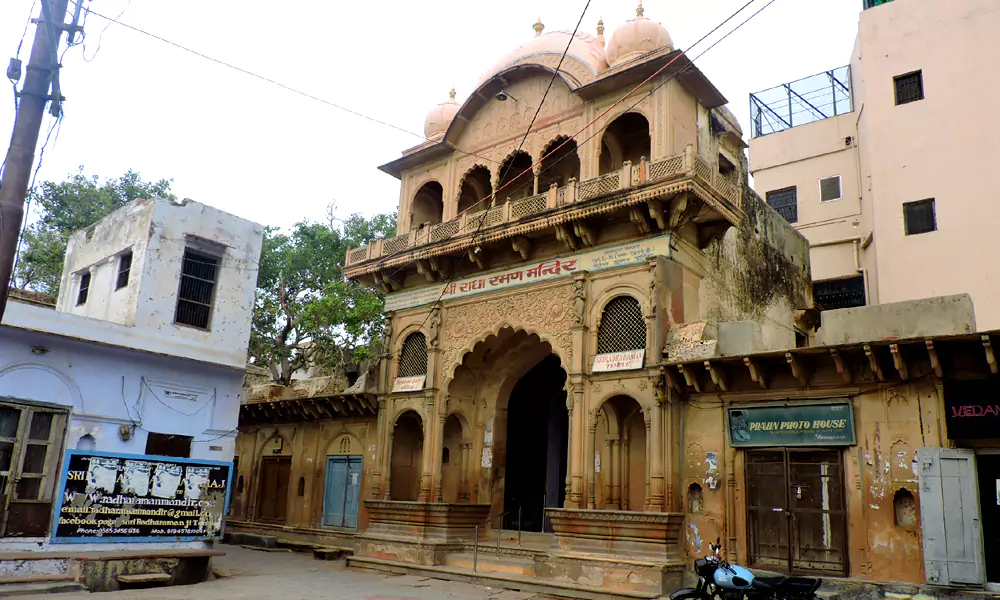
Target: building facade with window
{"points": [[127, 392], [537, 275], [884, 165]]}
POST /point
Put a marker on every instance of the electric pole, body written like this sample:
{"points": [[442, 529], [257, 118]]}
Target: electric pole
{"points": [[41, 72]]}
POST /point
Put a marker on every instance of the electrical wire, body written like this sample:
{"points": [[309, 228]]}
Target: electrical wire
{"points": [[277, 83], [100, 36]]}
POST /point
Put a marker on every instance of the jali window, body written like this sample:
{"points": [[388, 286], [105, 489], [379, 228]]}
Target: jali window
{"points": [[622, 326]]}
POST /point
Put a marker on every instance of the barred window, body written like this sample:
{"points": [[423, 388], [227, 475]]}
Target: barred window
{"points": [[622, 326], [194, 300], [785, 201], [413, 357]]}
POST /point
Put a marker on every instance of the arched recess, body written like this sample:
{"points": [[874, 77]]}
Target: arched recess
{"points": [[454, 462], [475, 191], [405, 461], [560, 166], [495, 374], [41, 383], [622, 326], [621, 444], [344, 444], [275, 470], [517, 180], [627, 138], [427, 207]]}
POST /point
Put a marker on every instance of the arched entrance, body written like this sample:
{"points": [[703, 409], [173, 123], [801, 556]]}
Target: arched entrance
{"points": [[560, 166], [627, 138], [537, 433], [407, 449], [428, 205], [452, 461], [620, 441]]}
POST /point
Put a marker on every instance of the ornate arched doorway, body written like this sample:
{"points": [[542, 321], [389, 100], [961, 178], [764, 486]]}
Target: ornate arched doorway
{"points": [[407, 450]]}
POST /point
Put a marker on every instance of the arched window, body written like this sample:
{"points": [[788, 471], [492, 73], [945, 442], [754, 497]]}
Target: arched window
{"points": [[413, 356], [626, 139], [560, 164], [476, 189], [517, 180], [428, 205], [622, 326], [302, 487]]}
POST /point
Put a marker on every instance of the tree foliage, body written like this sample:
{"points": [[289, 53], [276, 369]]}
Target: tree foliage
{"points": [[66, 206], [306, 313]]}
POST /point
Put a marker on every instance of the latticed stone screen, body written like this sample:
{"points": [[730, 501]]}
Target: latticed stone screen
{"points": [[413, 357], [622, 326]]}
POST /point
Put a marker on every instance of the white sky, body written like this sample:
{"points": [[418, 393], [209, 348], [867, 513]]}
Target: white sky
{"points": [[269, 155]]}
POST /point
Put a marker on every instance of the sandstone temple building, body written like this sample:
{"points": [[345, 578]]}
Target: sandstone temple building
{"points": [[601, 353]]}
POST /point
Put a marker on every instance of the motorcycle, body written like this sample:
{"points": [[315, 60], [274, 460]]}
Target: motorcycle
{"points": [[719, 580]]}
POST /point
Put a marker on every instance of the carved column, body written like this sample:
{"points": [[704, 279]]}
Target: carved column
{"points": [[591, 457], [380, 448], [655, 501], [465, 451], [387, 488], [578, 448], [427, 458], [646, 417], [616, 473], [536, 170], [607, 472]]}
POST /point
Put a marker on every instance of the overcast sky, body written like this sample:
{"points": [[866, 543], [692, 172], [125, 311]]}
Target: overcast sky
{"points": [[269, 155]]}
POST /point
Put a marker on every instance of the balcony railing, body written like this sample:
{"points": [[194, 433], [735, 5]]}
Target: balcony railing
{"points": [[670, 167], [813, 98]]}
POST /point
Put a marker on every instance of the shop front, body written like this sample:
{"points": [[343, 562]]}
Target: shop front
{"points": [[796, 512]]}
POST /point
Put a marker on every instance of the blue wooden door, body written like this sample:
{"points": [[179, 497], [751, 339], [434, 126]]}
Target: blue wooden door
{"points": [[353, 491], [342, 491]]}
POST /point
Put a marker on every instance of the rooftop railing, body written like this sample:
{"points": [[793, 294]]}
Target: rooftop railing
{"points": [[670, 167], [873, 3], [807, 100]]}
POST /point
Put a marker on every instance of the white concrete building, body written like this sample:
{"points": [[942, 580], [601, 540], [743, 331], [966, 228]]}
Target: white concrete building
{"points": [[137, 371]]}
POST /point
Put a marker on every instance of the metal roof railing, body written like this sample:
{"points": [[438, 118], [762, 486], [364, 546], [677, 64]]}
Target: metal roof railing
{"points": [[806, 100]]}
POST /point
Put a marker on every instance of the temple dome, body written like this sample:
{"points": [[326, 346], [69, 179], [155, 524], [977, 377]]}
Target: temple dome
{"points": [[584, 47], [637, 37], [440, 117]]}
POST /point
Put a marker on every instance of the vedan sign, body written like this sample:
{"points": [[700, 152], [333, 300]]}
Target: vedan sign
{"points": [[409, 384], [793, 425], [130, 498], [618, 361], [562, 266]]}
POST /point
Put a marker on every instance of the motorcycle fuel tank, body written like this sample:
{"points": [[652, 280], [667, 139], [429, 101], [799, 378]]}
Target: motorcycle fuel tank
{"points": [[733, 578]]}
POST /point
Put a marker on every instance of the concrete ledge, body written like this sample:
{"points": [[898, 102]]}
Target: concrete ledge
{"points": [[511, 582], [930, 317]]}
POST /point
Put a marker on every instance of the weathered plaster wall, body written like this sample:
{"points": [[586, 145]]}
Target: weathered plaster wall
{"points": [[308, 445]]}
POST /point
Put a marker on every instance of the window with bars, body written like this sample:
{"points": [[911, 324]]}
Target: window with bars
{"points": [[81, 296], [413, 356], [622, 326], [785, 201], [840, 293], [124, 268], [919, 217], [829, 189], [909, 87], [194, 300]]}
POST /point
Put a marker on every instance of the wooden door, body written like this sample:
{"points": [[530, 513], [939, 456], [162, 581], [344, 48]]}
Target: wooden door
{"points": [[273, 494], [31, 442]]}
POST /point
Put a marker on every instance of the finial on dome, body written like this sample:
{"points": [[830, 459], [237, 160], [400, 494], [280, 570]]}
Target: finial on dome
{"points": [[639, 11], [539, 27], [451, 94], [600, 26]]}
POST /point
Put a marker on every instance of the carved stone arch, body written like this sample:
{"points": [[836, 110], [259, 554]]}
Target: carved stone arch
{"points": [[406, 408], [454, 356], [467, 432], [623, 289], [621, 152], [42, 383], [426, 202], [344, 444], [482, 189]]}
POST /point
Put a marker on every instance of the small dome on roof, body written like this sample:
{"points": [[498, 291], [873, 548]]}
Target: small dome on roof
{"points": [[637, 37], [440, 117]]}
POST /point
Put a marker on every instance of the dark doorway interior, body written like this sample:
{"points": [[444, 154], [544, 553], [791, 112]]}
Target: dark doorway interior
{"points": [[989, 504], [537, 428]]}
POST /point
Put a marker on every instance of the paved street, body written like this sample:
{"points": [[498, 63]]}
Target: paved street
{"points": [[294, 576]]}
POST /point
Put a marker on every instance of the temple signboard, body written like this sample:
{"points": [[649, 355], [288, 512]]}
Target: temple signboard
{"points": [[618, 361], [409, 384], [554, 268]]}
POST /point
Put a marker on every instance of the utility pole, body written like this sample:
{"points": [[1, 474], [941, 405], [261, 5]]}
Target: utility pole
{"points": [[41, 73]]}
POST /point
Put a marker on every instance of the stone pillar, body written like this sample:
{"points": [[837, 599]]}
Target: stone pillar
{"points": [[439, 454], [616, 473], [577, 448], [646, 417], [380, 448], [591, 450], [655, 501], [465, 451], [427, 458], [387, 488], [607, 472], [536, 170]]}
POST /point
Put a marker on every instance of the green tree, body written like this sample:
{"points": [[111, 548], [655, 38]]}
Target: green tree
{"points": [[66, 206], [306, 313]]}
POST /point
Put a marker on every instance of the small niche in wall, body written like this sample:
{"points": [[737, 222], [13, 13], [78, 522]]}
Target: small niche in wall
{"points": [[239, 485], [445, 456], [905, 509], [695, 499], [302, 486]]}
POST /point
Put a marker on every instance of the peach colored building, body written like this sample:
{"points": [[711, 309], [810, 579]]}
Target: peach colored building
{"points": [[886, 166]]}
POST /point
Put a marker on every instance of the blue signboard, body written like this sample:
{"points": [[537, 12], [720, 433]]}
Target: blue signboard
{"points": [[828, 424]]}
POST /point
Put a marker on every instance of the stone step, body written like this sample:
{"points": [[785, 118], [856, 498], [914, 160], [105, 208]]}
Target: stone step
{"points": [[547, 588], [143, 579], [491, 563], [39, 587]]}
